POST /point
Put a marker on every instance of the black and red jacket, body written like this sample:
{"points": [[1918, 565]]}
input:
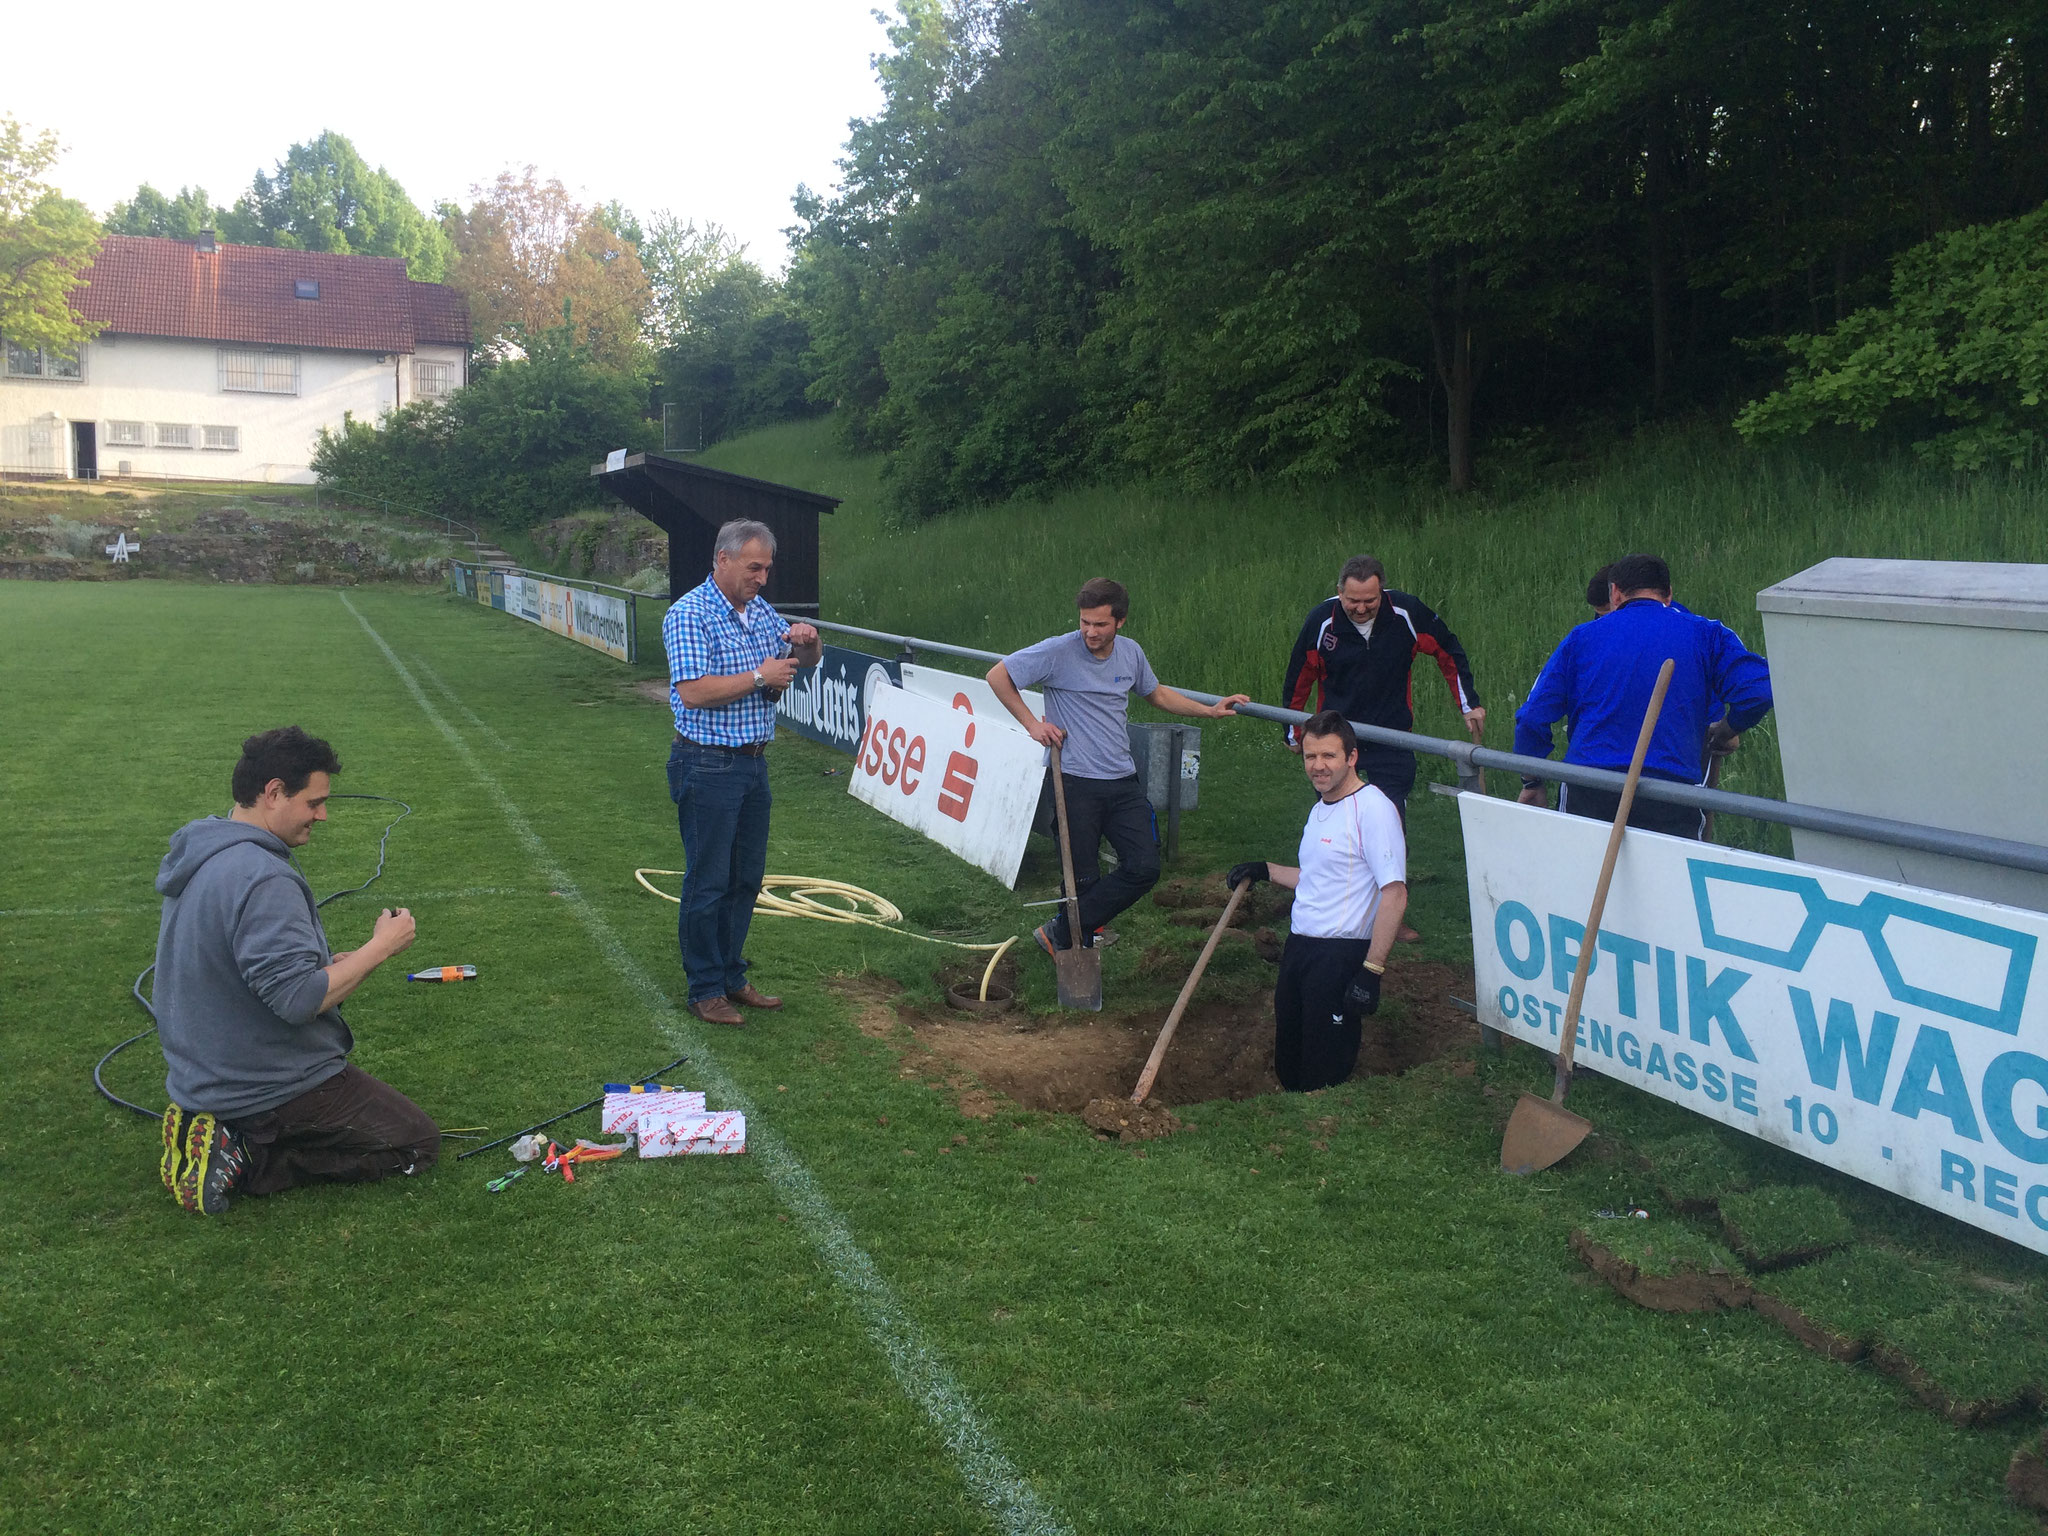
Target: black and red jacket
{"points": [[1368, 680]]}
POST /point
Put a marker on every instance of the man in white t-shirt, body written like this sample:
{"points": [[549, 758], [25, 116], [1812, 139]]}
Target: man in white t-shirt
{"points": [[1350, 894]]}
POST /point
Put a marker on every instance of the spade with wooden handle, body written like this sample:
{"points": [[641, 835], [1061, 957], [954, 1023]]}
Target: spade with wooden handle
{"points": [[1078, 968], [1180, 1004], [1542, 1131]]}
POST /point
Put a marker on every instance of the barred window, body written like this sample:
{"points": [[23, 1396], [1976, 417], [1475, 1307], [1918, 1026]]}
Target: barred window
{"points": [[124, 434], [259, 373], [173, 435], [432, 381], [41, 363], [226, 439]]}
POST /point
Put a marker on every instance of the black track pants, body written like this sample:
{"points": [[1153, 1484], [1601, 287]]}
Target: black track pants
{"points": [[1115, 811], [1650, 815], [351, 1128], [1315, 1036]]}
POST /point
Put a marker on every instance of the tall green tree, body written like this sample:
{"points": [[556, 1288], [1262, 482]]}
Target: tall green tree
{"points": [[181, 217], [1958, 359], [46, 241], [323, 196], [737, 360]]}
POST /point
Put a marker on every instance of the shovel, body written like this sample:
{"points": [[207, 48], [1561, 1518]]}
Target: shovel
{"points": [[1079, 969], [1542, 1131], [1180, 1004]]}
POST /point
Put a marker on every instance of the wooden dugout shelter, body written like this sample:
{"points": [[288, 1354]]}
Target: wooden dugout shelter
{"points": [[690, 503]]}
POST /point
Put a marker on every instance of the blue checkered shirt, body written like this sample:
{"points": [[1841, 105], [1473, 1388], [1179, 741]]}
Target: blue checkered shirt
{"points": [[705, 638]]}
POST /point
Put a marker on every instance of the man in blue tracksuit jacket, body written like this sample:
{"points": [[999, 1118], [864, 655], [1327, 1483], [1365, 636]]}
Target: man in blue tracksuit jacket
{"points": [[1600, 680]]}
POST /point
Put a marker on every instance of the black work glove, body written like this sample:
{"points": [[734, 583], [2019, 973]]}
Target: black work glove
{"points": [[1248, 873], [1363, 995]]}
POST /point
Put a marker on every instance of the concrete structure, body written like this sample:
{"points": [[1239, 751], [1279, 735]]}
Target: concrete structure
{"points": [[1917, 690], [223, 362]]}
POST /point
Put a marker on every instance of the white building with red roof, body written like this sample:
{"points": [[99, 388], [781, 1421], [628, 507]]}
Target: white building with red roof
{"points": [[223, 362]]}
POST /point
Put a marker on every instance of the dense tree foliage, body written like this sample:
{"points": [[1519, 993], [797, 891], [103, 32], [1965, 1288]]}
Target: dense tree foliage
{"points": [[514, 448], [184, 216], [322, 196], [1959, 357], [734, 356], [530, 258], [46, 240], [1288, 237]]}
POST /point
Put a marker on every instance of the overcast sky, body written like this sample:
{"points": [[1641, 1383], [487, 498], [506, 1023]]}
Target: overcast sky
{"points": [[712, 110]]}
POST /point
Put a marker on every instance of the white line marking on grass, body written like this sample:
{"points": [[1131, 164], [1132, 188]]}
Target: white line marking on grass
{"points": [[471, 715], [915, 1363]]}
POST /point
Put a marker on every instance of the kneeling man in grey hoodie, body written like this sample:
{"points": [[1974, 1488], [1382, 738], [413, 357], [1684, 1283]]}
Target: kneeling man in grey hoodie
{"points": [[263, 1095]]}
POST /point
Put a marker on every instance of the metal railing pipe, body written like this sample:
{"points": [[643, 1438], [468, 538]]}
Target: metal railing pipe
{"points": [[1976, 847]]}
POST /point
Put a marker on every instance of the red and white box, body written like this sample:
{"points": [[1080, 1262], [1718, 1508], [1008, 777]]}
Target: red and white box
{"points": [[692, 1135], [622, 1110]]}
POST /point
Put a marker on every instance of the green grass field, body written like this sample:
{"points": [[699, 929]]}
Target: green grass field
{"points": [[1323, 1314]]}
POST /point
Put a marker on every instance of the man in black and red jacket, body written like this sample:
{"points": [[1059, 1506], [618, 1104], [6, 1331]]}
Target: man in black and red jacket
{"points": [[1357, 649]]}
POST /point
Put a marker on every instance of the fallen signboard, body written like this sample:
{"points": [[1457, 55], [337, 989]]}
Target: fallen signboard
{"points": [[970, 785], [1884, 1030]]}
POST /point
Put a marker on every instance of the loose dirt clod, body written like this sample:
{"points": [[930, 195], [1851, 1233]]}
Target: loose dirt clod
{"points": [[1127, 1121]]}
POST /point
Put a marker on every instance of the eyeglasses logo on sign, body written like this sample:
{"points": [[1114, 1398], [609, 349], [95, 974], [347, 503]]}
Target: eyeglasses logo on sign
{"points": [[1919, 950]]}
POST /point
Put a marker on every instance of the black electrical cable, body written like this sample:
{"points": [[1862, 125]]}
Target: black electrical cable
{"points": [[156, 1114]]}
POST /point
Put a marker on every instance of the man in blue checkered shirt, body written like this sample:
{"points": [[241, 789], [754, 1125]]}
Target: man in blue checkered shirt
{"points": [[727, 665]]}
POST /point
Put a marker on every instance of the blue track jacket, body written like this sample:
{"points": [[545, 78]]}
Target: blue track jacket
{"points": [[1600, 680]]}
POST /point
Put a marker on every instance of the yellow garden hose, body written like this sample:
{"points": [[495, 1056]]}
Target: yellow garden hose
{"points": [[809, 896]]}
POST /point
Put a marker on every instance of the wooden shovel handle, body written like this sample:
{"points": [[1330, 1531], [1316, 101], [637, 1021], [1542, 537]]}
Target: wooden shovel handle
{"points": [[1592, 933], [1187, 991], [1059, 803]]}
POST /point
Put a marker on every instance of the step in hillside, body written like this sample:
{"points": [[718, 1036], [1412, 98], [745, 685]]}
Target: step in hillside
{"points": [[490, 554]]}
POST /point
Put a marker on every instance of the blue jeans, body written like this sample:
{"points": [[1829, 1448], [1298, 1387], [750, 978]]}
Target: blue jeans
{"points": [[722, 811]]}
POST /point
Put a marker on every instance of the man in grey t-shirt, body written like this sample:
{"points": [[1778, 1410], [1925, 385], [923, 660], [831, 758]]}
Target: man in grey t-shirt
{"points": [[1088, 676]]}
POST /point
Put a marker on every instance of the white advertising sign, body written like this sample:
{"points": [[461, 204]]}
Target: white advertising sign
{"points": [[595, 619], [1885, 1030], [969, 784], [947, 686]]}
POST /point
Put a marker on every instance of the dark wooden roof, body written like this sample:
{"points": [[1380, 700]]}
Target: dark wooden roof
{"points": [[699, 488], [691, 502]]}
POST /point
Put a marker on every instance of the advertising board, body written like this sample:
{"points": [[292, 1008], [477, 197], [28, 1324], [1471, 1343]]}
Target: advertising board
{"points": [[596, 619], [1885, 1030], [828, 702], [969, 784], [946, 686]]}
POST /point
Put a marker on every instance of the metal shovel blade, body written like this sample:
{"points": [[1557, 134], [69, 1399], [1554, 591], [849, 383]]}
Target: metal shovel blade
{"points": [[1540, 1132], [1080, 978]]}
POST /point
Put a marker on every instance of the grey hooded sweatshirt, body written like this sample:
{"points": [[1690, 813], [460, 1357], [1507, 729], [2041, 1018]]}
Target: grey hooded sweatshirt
{"points": [[240, 962]]}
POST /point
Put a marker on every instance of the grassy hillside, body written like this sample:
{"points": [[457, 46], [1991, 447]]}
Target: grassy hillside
{"points": [[1220, 579]]}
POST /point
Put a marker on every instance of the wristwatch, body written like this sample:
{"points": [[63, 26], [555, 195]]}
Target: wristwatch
{"points": [[759, 680]]}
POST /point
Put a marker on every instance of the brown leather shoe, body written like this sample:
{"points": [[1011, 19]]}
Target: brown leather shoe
{"points": [[717, 1010], [749, 996]]}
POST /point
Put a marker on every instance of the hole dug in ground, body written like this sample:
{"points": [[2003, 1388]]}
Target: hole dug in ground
{"points": [[1087, 1064]]}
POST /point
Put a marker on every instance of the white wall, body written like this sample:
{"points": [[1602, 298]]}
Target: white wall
{"points": [[135, 378]]}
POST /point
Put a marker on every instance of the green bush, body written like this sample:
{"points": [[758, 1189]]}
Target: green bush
{"points": [[1959, 358], [514, 448]]}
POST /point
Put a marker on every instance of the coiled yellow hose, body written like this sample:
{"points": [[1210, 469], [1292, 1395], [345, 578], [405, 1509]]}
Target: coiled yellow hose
{"points": [[812, 897]]}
